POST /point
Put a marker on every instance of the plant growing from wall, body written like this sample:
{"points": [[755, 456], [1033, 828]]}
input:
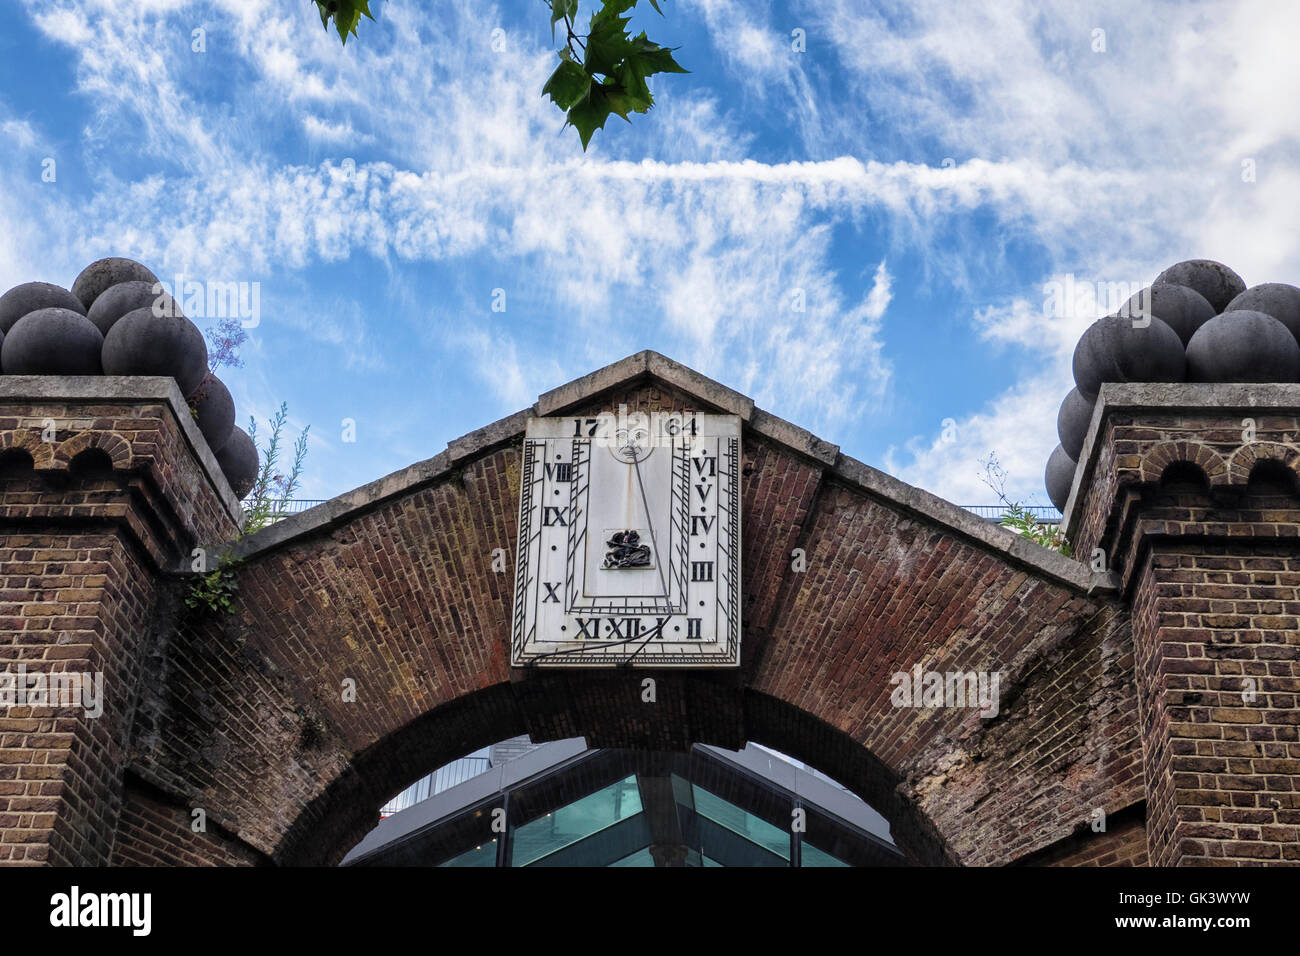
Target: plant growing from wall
{"points": [[273, 488], [1017, 516]]}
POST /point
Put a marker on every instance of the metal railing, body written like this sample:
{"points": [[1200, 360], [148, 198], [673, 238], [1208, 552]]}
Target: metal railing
{"points": [[1044, 513]]}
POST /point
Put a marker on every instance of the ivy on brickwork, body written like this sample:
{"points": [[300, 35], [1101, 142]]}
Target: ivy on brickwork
{"points": [[214, 592]]}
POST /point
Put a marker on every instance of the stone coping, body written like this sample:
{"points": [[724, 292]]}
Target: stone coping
{"points": [[1168, 397], [652, 365], [125, 390]]}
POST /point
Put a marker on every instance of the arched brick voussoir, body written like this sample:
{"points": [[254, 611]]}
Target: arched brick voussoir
{"points": [[1161, 456], [29, 440], [111, 443], [1245, 458]]}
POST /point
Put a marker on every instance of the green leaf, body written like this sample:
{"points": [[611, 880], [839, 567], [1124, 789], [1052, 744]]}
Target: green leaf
{"points": [[568, 84], [589, 113], [607, 45], [561, 9], [653, 58], [345, 13]]}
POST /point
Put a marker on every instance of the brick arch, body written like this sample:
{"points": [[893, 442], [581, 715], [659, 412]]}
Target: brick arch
{"points": [[1245, 458], [346, 810], [1161, 456], [29, 440], [392, 587], [111, 443]]}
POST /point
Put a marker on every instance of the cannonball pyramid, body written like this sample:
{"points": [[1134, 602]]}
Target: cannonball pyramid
{"points": [[1196, 323], [117, 320]]}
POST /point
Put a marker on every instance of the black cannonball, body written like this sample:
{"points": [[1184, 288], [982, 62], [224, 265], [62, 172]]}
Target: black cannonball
{"points": [[1114, 349], [1181, 308], [32, 296], [141, 343], [1072, 422], [1277, 299], [1214, 280], [52, 342], [214, 411], [1059, 477], [238, 461], [116, 301], [104, 273], [1243, 346]]}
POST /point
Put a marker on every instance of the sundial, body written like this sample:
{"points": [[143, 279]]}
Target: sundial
{"points": [[629, 542]]}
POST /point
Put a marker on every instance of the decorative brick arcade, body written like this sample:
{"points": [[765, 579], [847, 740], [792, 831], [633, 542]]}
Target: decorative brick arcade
{"points": [[1121, 689]]}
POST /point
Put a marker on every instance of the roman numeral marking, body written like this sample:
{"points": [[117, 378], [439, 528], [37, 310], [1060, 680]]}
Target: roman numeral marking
{"points": [[553, 516], [704, 492], [589, 628], [701, 525], [701, 570], [631, 628], [551, 596], [558, 471], [693, 625], [706, 466]]}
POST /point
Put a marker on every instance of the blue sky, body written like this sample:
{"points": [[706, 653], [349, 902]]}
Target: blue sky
{"points": [[922, 171]]}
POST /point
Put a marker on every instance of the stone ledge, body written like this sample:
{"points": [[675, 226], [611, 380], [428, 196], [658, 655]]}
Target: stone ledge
{"points": [[339, 509], [125, 390], [1006, 542], [1168, 397]]}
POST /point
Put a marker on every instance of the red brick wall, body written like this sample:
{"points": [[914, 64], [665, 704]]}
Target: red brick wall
{"points": [[1123, 843], [82, 552], [1201, 519]]}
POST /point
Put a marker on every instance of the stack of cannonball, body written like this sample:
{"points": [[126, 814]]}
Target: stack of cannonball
{"points": [[1196, 323], [118, 321]]}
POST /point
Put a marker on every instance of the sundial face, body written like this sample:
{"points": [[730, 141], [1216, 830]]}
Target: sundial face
{"points": [[629, 542]]}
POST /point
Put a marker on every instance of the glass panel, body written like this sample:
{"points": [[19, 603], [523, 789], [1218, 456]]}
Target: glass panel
{"points": [[809, 855], [639, 858], [575, 821], [756, 830], [485, 855]]}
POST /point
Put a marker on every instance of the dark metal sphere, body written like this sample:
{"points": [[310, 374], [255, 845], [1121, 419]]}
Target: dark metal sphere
{"points": [[214, 411], [32, 296], [1182, 309], [1114, 349], [1243, 346], [1072, 422], [1059, 477], [125, 297], [103, 273], [141, 343], [1214, 280], [52, 342], [1277, 299], [238, 461]]}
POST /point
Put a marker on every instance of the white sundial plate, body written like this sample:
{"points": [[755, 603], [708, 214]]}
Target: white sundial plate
{"points": [[629, 542]]}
